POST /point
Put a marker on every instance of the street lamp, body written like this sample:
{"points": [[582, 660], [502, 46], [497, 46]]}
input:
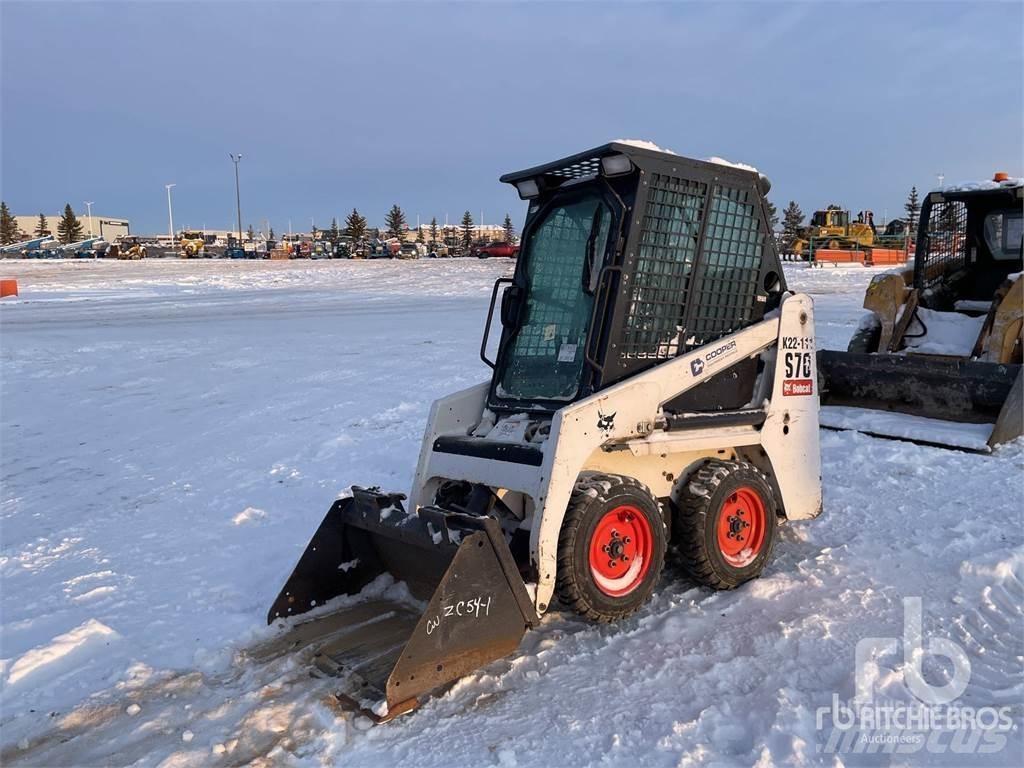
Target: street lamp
{"points": [[88, 205], [170, 213], [238, 197]]}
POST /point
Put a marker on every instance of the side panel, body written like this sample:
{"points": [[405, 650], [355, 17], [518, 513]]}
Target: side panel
{"points": [[624, 411], [790, 433], [456, 413]]}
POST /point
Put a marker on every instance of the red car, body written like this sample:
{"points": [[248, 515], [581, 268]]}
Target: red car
{"points": [[505, 250]]}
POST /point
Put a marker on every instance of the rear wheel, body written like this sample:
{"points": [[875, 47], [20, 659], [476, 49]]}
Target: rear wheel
{"points": [[726, 524], [611, 549]]}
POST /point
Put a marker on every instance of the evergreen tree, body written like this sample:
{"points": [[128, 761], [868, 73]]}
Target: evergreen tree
{"points": [[510, 231], [335, 233], [251, 234], [395, 221], [433, 232], [42, 227], [773, 215], [69, 228], [419, 235], [8, 226], [913, 209], [271, 236], [355, 225], [792, 224], [467, 229]]}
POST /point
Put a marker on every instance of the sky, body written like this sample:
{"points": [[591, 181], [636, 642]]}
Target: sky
{"points": [[337, 105]]}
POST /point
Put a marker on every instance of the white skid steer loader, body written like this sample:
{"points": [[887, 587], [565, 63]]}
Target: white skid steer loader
{"points": [[654, 383]]}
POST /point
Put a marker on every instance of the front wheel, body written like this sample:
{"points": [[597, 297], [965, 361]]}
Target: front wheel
{"points": [[726, 524], [611, 549]]}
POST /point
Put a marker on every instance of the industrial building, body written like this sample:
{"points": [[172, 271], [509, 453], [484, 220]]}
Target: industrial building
{"points": [[106, 227]]}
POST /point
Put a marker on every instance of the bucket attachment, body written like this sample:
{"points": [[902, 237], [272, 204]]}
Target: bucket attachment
{"points": [[386, 653], [943, 389]]}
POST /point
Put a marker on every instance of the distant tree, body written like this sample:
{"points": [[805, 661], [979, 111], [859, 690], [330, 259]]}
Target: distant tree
{"points": [[792, 224], [467, 229], [913, 209], [251, 234], [355, 225], [271, 235], [510, 230], [773, 215], [69, 229], [433, 231], [42, 227], [8, 226], [419, 235], [395, 221], [335, 233]]}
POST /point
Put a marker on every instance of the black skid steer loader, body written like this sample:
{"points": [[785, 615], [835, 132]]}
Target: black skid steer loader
{"points": [[941, 341], [654, 381]]}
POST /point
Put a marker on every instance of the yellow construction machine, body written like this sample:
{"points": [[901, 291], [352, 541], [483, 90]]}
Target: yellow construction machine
{"points": [[832, 229], [191, 244], [942, 337]]}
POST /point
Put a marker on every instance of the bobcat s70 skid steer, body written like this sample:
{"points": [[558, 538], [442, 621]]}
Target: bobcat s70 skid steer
{"points": [[654, 384]]}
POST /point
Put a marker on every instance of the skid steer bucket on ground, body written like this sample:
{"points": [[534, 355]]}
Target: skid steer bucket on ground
{"points": [[387, 654], [964, 392]]}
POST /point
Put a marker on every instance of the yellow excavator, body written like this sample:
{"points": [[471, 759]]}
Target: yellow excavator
{"points": [[942, 337]]}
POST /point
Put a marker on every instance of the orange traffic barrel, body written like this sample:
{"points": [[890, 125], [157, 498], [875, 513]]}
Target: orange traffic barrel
{"points": [[8, 288]]}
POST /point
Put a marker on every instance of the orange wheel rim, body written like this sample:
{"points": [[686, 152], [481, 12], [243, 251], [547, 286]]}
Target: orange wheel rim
{"points": [[742, 524], [621, 548]]}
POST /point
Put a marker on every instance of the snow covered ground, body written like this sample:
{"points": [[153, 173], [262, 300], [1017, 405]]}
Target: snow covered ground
{"points": [[173, 432]]}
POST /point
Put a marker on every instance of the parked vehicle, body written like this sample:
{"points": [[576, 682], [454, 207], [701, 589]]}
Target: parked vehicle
{"points": [[497, 250], [127, 247]]}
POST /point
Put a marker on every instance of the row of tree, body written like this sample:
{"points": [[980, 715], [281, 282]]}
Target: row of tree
{"points": [[396, 227], [69, 228]]}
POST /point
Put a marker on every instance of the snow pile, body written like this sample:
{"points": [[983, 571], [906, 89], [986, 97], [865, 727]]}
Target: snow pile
{"points": [[723, 161], [945, 333], [60, 656], [978, 186], [643, 144], [971, 436]]}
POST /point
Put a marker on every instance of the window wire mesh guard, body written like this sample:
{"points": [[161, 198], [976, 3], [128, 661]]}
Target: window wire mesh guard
{"points": [[947, 242], [733, 246], [671, 225]]}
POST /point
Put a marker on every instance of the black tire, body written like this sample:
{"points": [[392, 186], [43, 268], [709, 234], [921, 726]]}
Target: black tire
{"points": [[865, 339], [595, 498], [720, 488]]}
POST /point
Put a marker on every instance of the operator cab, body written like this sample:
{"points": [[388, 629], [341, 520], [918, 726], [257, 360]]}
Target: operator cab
{"points": [[630, 257], [969, 243]]}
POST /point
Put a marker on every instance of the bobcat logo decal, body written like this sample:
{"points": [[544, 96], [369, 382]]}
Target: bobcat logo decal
{"points": [[606, 423]]}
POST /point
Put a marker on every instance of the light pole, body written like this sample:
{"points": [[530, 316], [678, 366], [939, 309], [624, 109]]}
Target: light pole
{"points": [[88, 206], [238, 196], [170, 213]]}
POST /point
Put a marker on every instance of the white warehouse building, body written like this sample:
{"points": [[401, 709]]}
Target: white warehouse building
{"points": [[106, 227]]}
